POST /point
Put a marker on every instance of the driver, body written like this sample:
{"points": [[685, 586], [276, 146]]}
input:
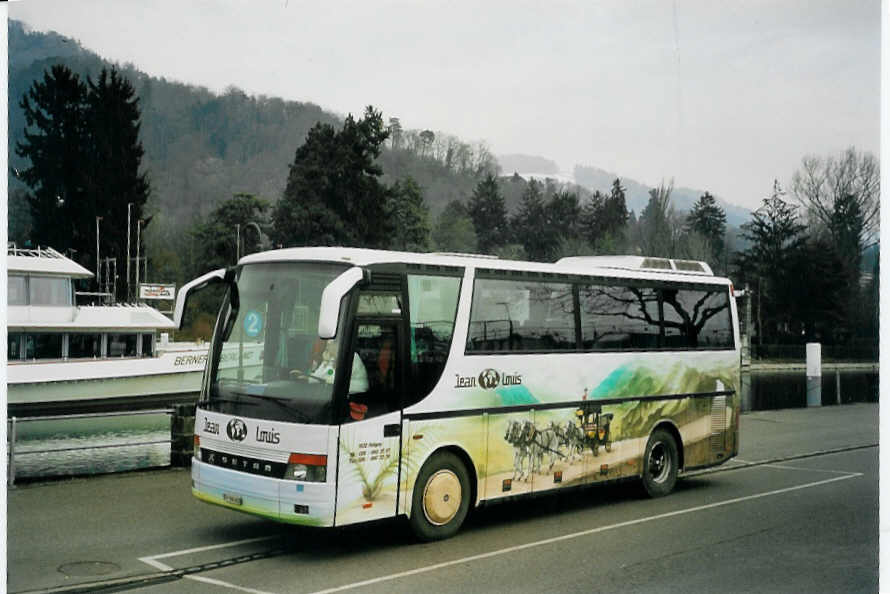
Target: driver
{"points": [[324, 369]]}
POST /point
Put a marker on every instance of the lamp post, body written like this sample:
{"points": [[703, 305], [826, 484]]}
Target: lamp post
{"points": [[261, 237], [138, 238], [129, 209], [237, 242], [98, 281]]}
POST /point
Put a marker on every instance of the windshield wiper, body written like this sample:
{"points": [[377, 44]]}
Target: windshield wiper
{"points": [[235, 400], [282, 402]]}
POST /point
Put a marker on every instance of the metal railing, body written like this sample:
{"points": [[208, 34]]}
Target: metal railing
{"points": [[798, 352], [13, 422]]}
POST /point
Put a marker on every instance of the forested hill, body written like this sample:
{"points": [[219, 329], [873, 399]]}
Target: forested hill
{"points": [[202, 147], [638, 194]]}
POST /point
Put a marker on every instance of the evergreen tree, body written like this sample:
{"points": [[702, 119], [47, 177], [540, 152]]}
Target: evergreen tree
{"points": [[813, 294], [489, 215], [410, 217], [532, 227], [605, 218], [19, 213], [85, 156], [591, 214], [657, 225], [55, 142], [230, 222], [333, 193], [613, 219], [776, 237], [708, 220], [454, 231], [564, 215], [115, 156]]}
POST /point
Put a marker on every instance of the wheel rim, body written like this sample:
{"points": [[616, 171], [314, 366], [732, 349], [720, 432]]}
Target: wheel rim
{"points": [[441, 497], [659, 463]]}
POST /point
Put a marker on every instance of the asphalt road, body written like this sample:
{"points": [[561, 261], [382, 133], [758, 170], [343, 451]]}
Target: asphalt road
{"points": [[797, 512]]}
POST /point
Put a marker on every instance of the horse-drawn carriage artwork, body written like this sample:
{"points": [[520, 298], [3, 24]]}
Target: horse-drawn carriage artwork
{"points": [[558, 441], [595, 427]]}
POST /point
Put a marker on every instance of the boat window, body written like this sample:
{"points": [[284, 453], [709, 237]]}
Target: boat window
{"points": [[44, 290], [84, 346], [147, 344], [121, 345], [17, 290], [43, 346], [13, 346]]}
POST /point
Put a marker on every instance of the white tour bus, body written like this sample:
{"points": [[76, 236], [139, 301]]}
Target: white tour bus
{"points": [[346, 385]]}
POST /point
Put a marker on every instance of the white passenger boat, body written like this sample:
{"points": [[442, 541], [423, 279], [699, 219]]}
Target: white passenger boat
{"points": [[65, 357]]}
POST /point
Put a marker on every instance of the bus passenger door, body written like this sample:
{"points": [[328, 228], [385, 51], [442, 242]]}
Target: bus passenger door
{"points": [[370, 438]]}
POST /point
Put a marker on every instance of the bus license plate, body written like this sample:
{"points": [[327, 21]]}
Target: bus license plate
{"points": [[232, 499]]}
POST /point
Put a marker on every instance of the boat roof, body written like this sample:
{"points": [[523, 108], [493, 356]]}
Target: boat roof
{"points": [[610, 266], [43, 261], [98, 318]]}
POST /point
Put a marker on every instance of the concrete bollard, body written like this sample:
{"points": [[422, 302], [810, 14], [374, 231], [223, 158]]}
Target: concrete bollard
{"points": [[814, 374], [182, 435], [837, 383]]}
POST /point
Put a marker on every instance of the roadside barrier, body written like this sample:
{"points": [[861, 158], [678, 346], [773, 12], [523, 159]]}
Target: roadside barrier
{"points": [[182, 432], [13, 423]]}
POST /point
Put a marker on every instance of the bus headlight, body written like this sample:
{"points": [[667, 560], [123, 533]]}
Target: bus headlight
{"points": [[311, 468]]}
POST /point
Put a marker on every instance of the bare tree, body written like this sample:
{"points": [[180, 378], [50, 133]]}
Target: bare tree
{"points": [[426, 138], [826, 187], [395, 132]]}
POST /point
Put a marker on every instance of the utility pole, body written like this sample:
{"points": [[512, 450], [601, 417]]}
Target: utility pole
{"points": [[237, 242]]}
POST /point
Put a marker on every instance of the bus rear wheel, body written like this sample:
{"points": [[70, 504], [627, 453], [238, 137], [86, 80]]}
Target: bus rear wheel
{"points": [[441, 497], [660, 464]]}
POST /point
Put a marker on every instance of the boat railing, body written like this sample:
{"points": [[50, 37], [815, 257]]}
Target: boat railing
{"points": [[38, 252], [13, 422]]}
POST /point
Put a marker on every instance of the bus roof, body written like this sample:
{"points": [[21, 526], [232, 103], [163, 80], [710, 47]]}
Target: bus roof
{"points": [[610, 266]]}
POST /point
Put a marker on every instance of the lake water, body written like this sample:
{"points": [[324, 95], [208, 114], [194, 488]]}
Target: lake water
{"points": [[129, 435], [771, 390], [115, 444]]}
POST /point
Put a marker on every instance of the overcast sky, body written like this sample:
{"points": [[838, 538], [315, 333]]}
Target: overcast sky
{"points": [[722, 96]]}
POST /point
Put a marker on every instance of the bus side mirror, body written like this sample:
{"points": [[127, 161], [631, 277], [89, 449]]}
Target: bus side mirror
{"points": [[217, 276], [332, 296]]}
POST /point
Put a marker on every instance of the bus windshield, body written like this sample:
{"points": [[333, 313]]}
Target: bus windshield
{"points": [[272, 364]]}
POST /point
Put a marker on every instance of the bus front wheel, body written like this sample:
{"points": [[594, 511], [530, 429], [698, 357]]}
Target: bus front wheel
{"points": [[660, 464], [441, 497]]}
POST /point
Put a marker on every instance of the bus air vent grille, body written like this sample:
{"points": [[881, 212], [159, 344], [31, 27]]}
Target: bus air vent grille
{"points": [[689, 266], [658, 263], [718, 422]]}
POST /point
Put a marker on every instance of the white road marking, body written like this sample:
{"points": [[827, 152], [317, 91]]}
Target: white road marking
{"points": [[153, 559], [783, 467], [223, 584], [555, 539]]}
